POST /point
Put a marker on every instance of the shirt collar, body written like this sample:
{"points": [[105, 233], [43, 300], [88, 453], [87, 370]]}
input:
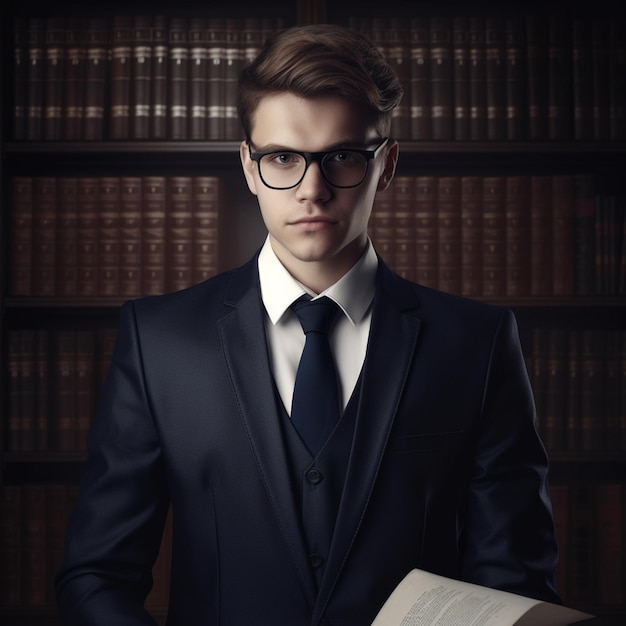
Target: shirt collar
{"points": [[353, 292]]}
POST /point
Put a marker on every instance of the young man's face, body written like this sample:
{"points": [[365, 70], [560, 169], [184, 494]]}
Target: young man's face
{"points": [[316, 229]]}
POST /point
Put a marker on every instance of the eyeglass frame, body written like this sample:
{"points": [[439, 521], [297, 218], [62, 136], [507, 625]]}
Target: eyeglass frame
{"points": [[317, 157]]}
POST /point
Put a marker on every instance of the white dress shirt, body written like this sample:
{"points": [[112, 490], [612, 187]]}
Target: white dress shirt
{"points": [[353, 292]]}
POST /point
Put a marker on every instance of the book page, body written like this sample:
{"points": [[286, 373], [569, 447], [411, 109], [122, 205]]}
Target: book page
{"points": [[425, 599]]}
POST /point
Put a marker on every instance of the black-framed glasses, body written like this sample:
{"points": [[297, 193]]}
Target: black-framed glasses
{"points": [[343, 167]]}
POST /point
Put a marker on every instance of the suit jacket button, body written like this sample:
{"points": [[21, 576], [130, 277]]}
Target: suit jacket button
{"points": [[315, 559], [314, 476]]}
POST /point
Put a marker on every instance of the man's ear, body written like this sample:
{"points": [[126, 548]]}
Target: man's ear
{"points": [[389, 170], [247, 165]]}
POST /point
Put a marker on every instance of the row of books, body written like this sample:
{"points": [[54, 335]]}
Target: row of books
{"points": [[514, 78], [131, 77], [113, 235], [54, 381], [33, 522], [579, 382], [578, 378], [465, 78], [590, 523], [494, 236], [591, 530]]}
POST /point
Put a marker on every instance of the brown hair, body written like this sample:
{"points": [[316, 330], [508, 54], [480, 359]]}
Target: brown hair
{"points": [[321, 59]]}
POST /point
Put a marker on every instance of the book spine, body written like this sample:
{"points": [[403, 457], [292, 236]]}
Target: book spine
{"points": [[42, 391], [449, 233], [64, 419], [584, 235], [13, 415], [34, 545], [382, 227], [515, 77], [517, 236], [178, 252], [160, 78], [233, 64], [398, 55], [120, 77], [96, 72], [478, 79], [87, 236], [206, 231], [198, 77], [573, 425], [537, 51], [44, 236], [20, 77], [593, 353], [141, 72], [420, 92], [404, 226], [541, 231], [495, 77], [617, 80], [582, 78], [471, 236], [494, 236], [35, 78], [441, 78], [10, 546], [26, 388], [563, 235], [84, 385], [560, 121], [130, 236], [108, 236], [67, 237], [460, 77], [75, 74], [21, 228], [601, 76], [555, 390], [217, 51], [426, 231], [153, 239], [178, 78], [54, 77]]}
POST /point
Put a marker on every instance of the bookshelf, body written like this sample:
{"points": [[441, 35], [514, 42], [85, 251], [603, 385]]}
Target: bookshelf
{"points": [[569, 332]]}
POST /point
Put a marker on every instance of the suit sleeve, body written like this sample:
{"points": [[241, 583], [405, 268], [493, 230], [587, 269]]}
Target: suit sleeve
{"points": [[508, 540], [115, 530]]}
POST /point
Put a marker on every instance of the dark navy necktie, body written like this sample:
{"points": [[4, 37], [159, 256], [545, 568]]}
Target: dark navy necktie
{"points": [[315, 406]]}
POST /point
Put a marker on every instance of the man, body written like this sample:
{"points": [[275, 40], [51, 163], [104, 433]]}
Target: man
{"points": [[433, 460]]}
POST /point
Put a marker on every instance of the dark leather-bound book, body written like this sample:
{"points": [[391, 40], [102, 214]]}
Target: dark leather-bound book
{"points": [[206, 226], [573, 421], [398, 56], [120, 77], [495, 73], [582, 78], [471, 235], [537, 72], [178, 246], [109, 236], [130, 236], [426, 231], [541, 227], [617, 61], [198, 77], [518, 242], [555, 388], [10, 545], [42, 389], [55, 34], [34, 572], [233, 64], [178, 110], [44, 236], [20, 77], [478, 79], [441, 78], [593, 379], [601, 78], [160, 73], [460, 77], [85, 357], [217, 50], [87, 235], [75, 74], [560, 119], [63, 402], [21, 225], [449, 233], [153, 234], [563, 235], [141, 73], [96, 72], [515, 77], [584, 235], [67, 236], [420, 97], [35, 35], [404, 225], [494, 236]]}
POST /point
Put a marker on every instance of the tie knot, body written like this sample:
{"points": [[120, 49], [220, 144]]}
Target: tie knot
{"points": [[315, 315]]}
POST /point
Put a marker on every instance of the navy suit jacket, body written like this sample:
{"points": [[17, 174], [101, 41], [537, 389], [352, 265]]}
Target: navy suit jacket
{"points": [[446, 470]]}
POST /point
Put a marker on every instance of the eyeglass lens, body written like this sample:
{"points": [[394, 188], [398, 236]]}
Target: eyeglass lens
{"points": [[342, 168]]}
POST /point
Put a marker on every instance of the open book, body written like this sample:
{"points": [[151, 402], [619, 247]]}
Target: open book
{"points": [[424, 599]]}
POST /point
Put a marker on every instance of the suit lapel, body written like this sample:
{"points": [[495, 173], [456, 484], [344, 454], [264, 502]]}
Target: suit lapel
{"points": [[393, 338], [243, 339]]}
